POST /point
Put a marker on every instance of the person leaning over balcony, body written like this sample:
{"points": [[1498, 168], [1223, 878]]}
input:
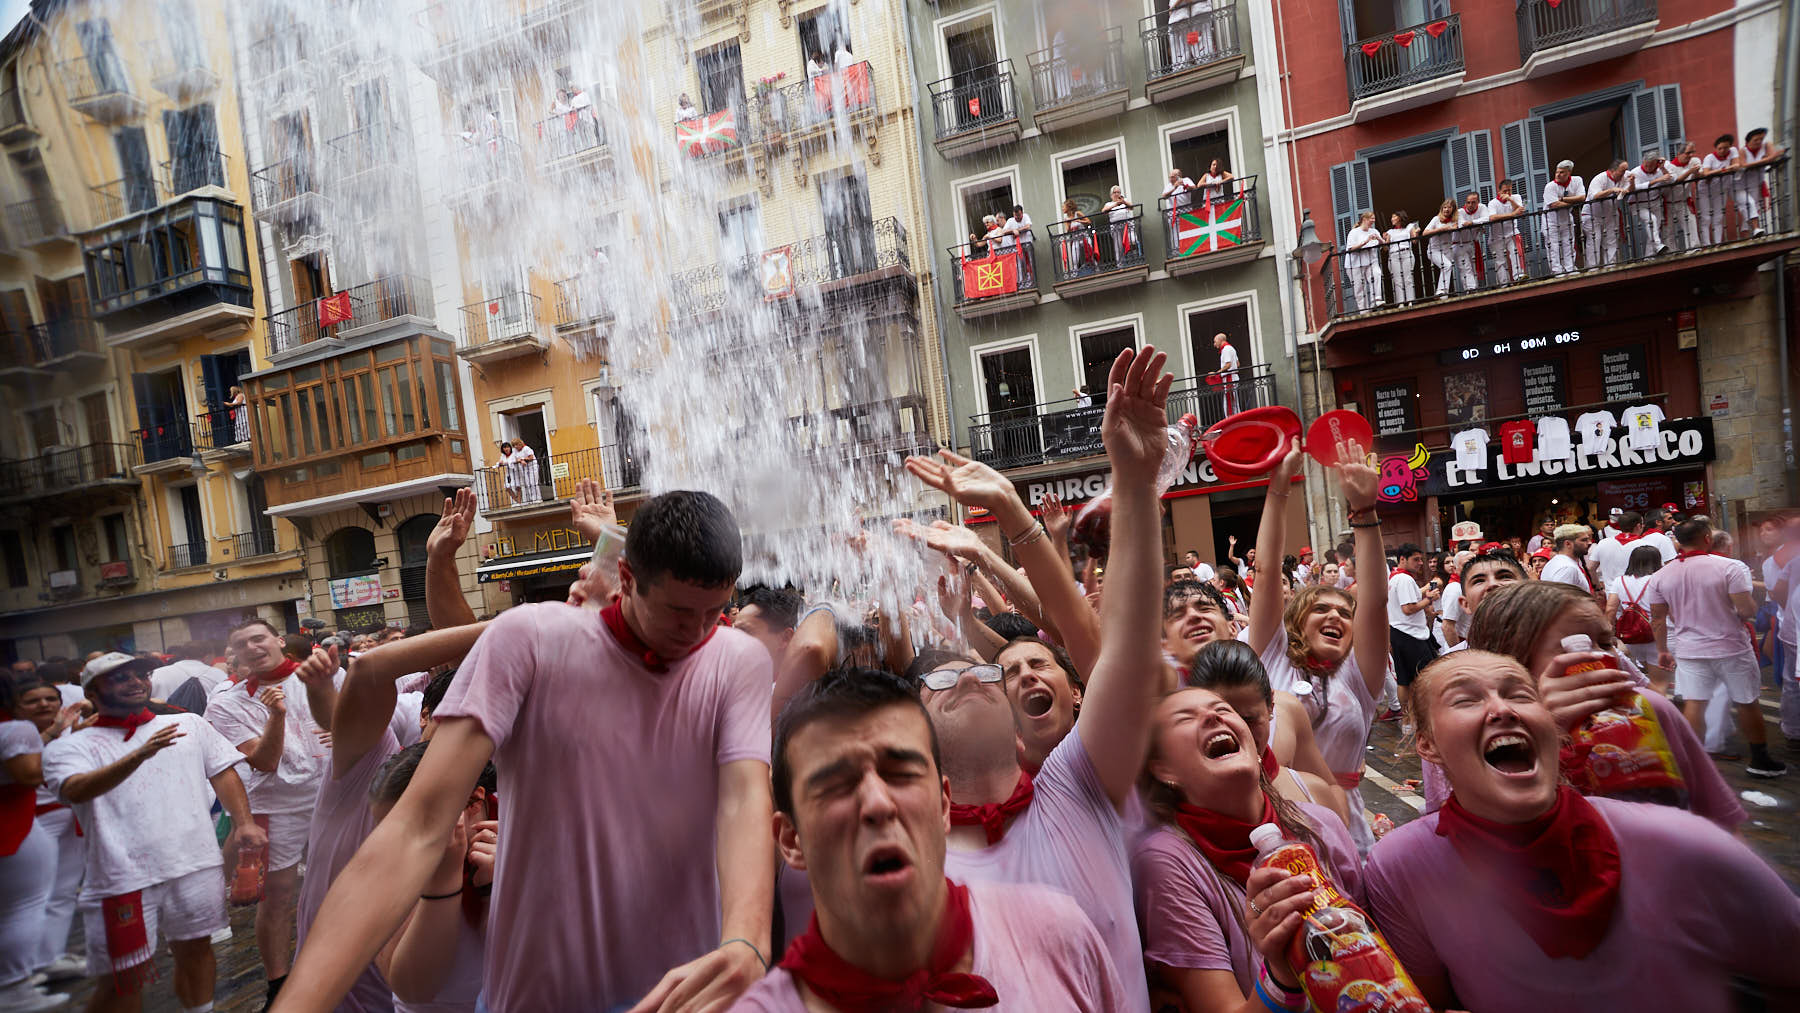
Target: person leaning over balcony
{"points": [[1179, 193], [1646, 200], [1077, 238], [1229, 367], [1681, 203], [1363, 263], [1466, 244], [1602, 220], [240, 416], [1715, 188], [1018, 225], [1561, 195], [1752, 184], [1506, 248], [684, 108], [1437, 247], [1401, 258], [1119, 212], [1179, 52], [524, 464], [1212, 182]]}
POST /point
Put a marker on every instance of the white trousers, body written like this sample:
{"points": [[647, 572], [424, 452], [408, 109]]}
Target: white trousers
{"points": [[1365, 278], [1713, 201], [1603, 237], [1749, 205], [1400, 268], [1440, 256], [1649, 223], [1559, 241], [1465, 265], [26, 876], [1505, 264], [71, 860], [1684, 225]]}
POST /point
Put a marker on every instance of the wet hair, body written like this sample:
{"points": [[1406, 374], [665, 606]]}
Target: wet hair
{"points": [[1012, 626], [435, 691], [1293, 621], [1500, 558], [296, 646], [391, 780], [1512, 618], [931, 659], [1230, 664], [264, 623], [1693, 532], [688, 535], [1189, 588], [1628, 520], [844, 692], [1057, 654], [1643, 561], [779, 606]]}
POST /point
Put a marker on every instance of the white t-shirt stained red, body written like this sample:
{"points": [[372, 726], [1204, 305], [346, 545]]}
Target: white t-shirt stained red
{"points": [[610, 772], [305, 759]]}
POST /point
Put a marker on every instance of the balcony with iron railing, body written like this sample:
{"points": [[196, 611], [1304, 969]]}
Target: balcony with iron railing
{"points": [[975, 110], [1556, 35], [503, 326], [67, 471], [178, 67], [1191, 52], [186, 555], [1405, 69], [1101, 253], [66, 341], [166, 444], [14, 127], [1079, 81], [180, 268], [1030, 435], [100, 88], [725, 137], [223, 431], [288, 192], [348, 313], [805, 115], [1652, 230], [254, 543], [995, 276], [38, 222], [487, 174], [545, 484], [832, 264], [195, 170], [582, 300], [571, 139], [1211, 226]]}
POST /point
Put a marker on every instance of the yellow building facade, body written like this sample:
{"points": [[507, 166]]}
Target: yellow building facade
{"points": [[130, 516]]}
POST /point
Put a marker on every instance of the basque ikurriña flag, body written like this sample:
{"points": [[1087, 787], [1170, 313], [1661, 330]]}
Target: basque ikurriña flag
{"points": [[707, 134], [1210, 228]]}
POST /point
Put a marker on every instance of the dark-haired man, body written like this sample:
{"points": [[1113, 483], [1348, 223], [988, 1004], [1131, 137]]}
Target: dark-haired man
{"points": [[273, 720], [138, 784], [863, 806], [1194, 615], [1409, 616], [1610, 555], [770, 615], [1045, 693], [633, 755]]}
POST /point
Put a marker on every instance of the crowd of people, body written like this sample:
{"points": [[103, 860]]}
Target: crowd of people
{"points": [[1682, 203], [1033, 788]]}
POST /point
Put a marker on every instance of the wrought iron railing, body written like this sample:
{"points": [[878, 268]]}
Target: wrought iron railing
{"points": [[974, 100], [805, 112], [32, 220], [1060, 430], [505, 316], [396, 295], [568, 135], [12, 111], [1078, 70], [222, 428], [1174, 46], [250, 544], [286, 180], [196, 169], [127, 196], [187, 554], [165, 440], [1111, 241], [64, 336], [1545, 24], [841, 254], [85, 80], [1215, 218], [66, 469], [979, 271], [377, 147], [582, 298], [1404, 57], [1642, 226], [553, 478], [720, 132]]}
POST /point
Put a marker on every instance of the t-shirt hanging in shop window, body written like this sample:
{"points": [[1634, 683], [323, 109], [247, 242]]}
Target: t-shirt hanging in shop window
{"points": [[1516, 442], [1595, 428], [1471, 449], [1641, 422], [1553, 439]]}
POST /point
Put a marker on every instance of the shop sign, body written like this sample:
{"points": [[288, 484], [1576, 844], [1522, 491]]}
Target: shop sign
{"points": [[1078, 487], [558, 539], [1639, 494], [1394, 409], [1680, 442], [1622, 373], [1543, 384], [353, 592]]}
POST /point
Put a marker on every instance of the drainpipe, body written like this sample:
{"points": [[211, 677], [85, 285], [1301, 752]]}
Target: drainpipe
{"points": [[1789, 473], [923, 143]]}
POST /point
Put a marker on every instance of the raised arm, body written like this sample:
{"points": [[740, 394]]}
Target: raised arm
{"points": [[811, 653], [1114, 724], [366, 703], [1271, 545], [1358, 478], [444, 601], [318, 677], [264, 752]]}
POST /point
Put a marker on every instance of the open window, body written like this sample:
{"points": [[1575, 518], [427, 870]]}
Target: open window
{"points": [[822, 33], [987, 196], [1202, 148], [1096, 346], [721, 73], [1087, 177], [1414, 178], [162, 414], [1591, 132]]}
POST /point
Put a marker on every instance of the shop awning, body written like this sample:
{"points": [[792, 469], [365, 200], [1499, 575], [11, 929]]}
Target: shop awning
{"points": [[512, 569]]}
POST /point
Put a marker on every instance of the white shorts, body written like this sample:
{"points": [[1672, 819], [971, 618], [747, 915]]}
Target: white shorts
{"points": [[186, 907], [1698, 678], [287, 838]]}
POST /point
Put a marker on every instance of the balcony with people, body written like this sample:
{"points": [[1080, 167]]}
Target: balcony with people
{"points": [[1078, 80], [1557, 35], [995, 272], [850, 258], [1029, 435], [530, 484], [329, 322], [1689, 220], [1189, 48], [176, 270], [804, 115], [486, 172], [505, 325], [1405, 68], [1099, 253], [1213, 223], [572, 136], [222, 432], [975, 110]]}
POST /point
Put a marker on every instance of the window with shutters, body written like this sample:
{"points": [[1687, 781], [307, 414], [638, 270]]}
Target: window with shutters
{"points": [[1415, 180]]}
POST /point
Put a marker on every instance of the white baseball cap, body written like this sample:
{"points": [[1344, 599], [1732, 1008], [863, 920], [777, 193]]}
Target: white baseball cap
{"points": [[106, 664]]}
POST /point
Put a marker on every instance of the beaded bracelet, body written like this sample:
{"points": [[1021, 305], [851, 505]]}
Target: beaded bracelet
{"points": [[1029, 535]]}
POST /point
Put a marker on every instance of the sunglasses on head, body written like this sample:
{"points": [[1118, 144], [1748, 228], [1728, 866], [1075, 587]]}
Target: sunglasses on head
{"points": [[944, 678]]}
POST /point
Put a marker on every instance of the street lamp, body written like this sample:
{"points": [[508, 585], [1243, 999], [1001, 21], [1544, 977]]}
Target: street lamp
{"points": [[1307, 252]]}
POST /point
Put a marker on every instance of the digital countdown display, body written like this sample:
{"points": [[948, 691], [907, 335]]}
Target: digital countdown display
{"points": [[1508, 346]]}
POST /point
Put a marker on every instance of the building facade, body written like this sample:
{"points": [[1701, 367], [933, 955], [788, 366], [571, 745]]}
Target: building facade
{"points": [[132, 516], [1051, 107], [1652, 318]]}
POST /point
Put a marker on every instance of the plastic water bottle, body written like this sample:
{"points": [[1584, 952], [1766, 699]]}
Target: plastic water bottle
{"points": [[1343, 962], [1093, 524], [1181, 438]]}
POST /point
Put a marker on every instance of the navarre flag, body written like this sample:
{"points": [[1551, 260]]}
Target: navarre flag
{"points": [[1211, 228], [708, 134], [995, 274], [335, 309]]}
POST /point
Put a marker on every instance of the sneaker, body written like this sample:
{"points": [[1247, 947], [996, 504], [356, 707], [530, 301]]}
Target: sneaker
{"points": [[64, 967], [1770, 767], [1388, 715], [20, 997]]}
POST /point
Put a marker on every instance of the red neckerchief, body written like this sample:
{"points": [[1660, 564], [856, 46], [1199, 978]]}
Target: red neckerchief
{"points": [[1624, 539], [992, 816], [1695, 552], [1402, 573], [1270, 766], [1224, 840], [253, 682], [129, 722], [1558, 875], [614, 615], [844, 986]]}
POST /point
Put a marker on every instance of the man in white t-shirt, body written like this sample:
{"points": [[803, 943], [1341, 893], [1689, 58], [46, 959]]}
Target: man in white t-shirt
{"points": [[555, 698], [1698, 607], [1228, 370], [1409, 617], [189, 663], [1453, 621], [1646, 203], [1506, 263], [1471, 219], [1202, 570], [1562, 196], [1569, 566], [1611, 527], [1611, 555], [1019, 226], [1303, 569], [141, 786], [1602, 216], [1657, 522]]}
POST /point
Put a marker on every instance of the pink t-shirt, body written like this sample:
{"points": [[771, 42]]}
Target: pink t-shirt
{"points": [[1702, 622], [609, 785], [1070, 839], [1035, 946], [1696, 907], [1192, 916], [340, 823], [463, 986]]}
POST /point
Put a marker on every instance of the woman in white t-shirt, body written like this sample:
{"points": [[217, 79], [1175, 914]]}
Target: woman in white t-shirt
{"points": [[1212, 182], [1120, 213], [1401, 259], [1628, 589], [27, 858], [1440, 230], [1362, 261]]}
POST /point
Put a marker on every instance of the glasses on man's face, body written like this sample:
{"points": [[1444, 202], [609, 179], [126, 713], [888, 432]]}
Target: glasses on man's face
{"points": [[944, 678]]}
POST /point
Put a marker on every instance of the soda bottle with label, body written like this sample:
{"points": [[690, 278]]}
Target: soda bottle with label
{"points": [[1344, 964], [252, 864], [1622, 752]]}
